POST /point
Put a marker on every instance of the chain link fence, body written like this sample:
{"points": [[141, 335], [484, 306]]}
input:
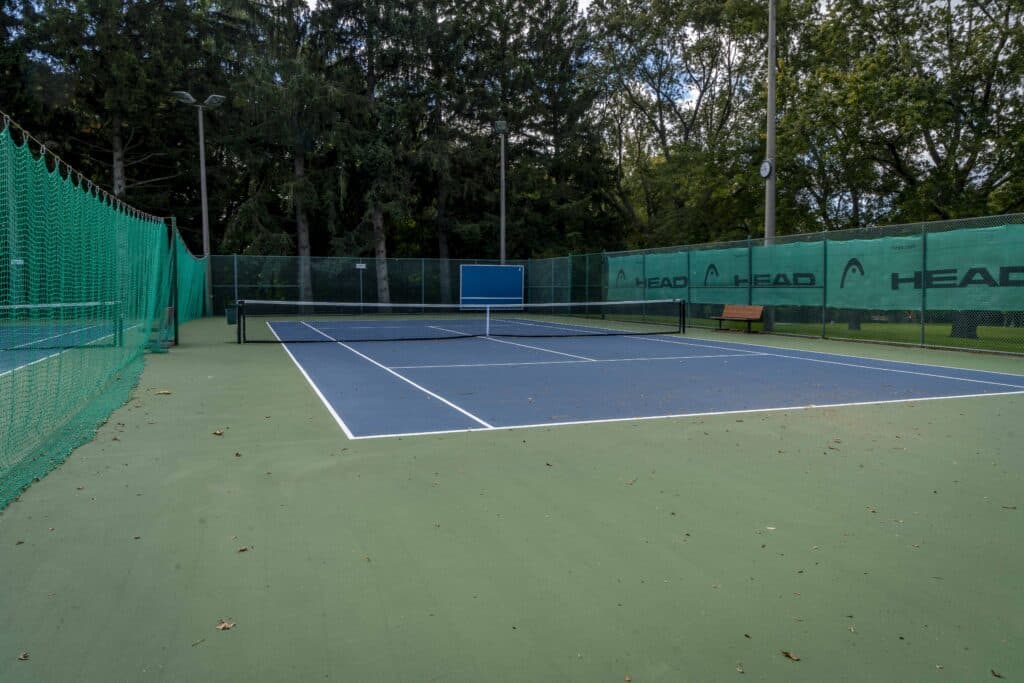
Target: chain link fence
{"points": [[957, 284]]}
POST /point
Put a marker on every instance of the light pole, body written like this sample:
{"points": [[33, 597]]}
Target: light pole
{"points": [[501, 128], [212, 102], [768, 165]]}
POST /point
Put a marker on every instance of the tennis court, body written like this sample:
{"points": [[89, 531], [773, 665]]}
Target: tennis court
{"points": [[507, 380]]}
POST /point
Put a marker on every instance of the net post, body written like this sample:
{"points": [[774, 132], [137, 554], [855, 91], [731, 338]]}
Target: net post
{"points": [[239, 320], [487, 320]]}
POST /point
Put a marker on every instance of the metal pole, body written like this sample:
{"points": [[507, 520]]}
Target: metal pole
{"points": [[769, 183], [174, 278], [234, 268], [768, 323], [206, 217], [502, 198], [924, 279]]}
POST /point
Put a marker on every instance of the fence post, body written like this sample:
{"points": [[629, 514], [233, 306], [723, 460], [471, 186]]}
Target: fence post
{"points": [[234, 268], [824, 285], [689, 283], [924, 278], [174, 278], [643, 275], [423, 281], [750, 272]]}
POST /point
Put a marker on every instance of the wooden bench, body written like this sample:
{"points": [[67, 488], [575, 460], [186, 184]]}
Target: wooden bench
{"points": [[747, 314]]}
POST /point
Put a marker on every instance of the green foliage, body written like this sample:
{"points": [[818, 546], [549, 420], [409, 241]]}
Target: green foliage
{"points": [[358, 127]]}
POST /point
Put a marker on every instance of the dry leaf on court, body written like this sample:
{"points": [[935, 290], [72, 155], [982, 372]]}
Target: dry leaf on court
{"points": [[996, 674], [739, 668], [23, 657], [218, 432], [789, 655], [163, 392], [244, 549], [628, 678], [225, 625]]}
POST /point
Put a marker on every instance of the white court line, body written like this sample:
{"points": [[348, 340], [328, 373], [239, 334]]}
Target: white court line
{"points": [[872, 367], [525, 346], [316, 389], [405, 379], [573, 362], [54, 355], [734, 347], [27, 345], [646, 418]]}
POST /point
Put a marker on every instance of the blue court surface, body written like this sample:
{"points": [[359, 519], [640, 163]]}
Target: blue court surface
{"points": [[405, 388], [23, 345]]}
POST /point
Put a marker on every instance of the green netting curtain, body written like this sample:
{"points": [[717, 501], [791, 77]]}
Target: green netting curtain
{"points": [[84, 286], [191, 282]]}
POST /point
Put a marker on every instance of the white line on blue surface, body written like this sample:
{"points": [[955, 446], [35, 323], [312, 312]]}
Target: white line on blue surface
{"points": [[646, 418], [525, 346], [316, 389], [860, 365], [405, 379], [58, 353], [574, 362]]}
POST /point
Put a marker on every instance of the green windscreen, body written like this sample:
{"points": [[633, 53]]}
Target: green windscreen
{"points": [[191, 282], [85, 285], [979, 269]]}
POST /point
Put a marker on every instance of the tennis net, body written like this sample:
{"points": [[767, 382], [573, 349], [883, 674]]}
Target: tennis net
{"points": [[60, 325], [308, 321]]}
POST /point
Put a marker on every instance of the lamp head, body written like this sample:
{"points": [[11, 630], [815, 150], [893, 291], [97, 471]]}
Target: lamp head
{"points": [[183, 97]]}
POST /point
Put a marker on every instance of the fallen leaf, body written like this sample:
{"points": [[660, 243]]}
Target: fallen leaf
{"points": [[19, 542], [630, 482], [199, 642], [225, 625], [23, 657], [218, 432], [739, 667], [163, 392], [852, 628], [237, 454], [243, 549], [746, 635], [1009, 507], [789, 655], [770, 528], [996, 674], [627, 678]]}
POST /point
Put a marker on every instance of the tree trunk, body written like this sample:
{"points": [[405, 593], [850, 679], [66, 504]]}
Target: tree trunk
{"points": [[381, 253], [117, 145], [442, 246], [302, 226]]}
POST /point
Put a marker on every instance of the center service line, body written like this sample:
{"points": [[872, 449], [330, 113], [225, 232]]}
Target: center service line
{"points": [[405, 379], [525, 346]]}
